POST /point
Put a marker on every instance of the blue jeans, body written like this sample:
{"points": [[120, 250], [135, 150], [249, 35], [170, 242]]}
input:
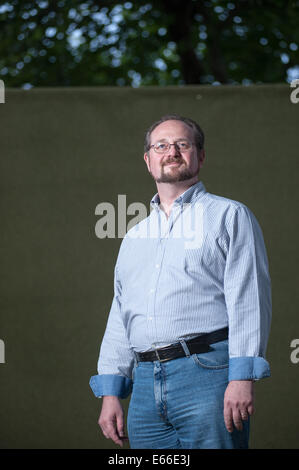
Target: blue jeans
{"points": [[178, 404]]}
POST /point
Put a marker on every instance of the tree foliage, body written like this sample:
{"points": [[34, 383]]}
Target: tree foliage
{"points": [[148, 42]]}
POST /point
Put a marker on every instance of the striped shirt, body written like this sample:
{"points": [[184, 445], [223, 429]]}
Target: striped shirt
{"points": [[203, 268]]}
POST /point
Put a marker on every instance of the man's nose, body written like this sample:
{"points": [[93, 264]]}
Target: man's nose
{"points": [[173, 150]]}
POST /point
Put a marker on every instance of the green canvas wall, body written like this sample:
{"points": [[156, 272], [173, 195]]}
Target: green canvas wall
{"points": [[63, 151]]}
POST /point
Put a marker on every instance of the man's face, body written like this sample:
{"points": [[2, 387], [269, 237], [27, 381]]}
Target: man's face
{"points": [[174, 165]]}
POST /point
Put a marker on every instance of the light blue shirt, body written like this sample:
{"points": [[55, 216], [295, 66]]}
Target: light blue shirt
{"points": [[203, 268]]}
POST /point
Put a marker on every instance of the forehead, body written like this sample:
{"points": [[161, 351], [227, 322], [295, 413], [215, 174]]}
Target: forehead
{"points": [[171, 130]]}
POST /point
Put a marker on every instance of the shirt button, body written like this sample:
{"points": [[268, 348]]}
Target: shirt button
{"points": [[151, 291], [150, 318], [157, 265]]}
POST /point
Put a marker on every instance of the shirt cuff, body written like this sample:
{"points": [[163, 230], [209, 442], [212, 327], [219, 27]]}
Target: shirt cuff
{"points": [[108, 384], [248, 368]]}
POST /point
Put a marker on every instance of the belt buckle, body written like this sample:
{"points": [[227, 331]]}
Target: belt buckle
{"points": [[159, 359]]}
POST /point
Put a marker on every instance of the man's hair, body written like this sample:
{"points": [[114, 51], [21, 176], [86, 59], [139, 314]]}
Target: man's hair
{"points": [[198, 132]]}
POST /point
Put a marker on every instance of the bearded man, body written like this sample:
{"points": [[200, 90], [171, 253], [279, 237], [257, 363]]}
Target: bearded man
{"points": [[190, 318]]}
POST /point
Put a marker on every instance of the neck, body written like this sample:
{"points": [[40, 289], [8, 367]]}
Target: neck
{"points": [[169, 192]]}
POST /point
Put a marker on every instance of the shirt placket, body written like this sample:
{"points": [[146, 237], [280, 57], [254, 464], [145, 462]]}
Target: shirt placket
{"points": [[164, 233]]}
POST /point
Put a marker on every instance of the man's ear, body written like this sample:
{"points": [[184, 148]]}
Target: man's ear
{"points": [[146, 159], [201, 157]]}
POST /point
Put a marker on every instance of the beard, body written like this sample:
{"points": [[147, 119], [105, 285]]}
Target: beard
{"points": [[176, 173]]}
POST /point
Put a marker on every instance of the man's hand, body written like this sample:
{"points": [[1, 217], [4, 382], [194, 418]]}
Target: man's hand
{"points": [[238, 403], [111, 419]]}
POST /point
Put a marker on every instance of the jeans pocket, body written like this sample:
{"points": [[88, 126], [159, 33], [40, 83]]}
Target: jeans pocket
{"points": [[216, 358]]}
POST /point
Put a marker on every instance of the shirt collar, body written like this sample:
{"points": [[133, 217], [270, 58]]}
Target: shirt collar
{"points": [[188, 196]]}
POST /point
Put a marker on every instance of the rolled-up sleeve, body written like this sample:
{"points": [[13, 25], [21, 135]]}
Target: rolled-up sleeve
{"points": [[247, 289], [116, 358]]}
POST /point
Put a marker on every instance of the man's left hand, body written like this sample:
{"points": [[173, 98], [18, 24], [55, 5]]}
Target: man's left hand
{"points": [[238, 403]]}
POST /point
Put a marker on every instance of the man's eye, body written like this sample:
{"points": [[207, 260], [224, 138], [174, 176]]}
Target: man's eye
{"points": [[183, 145], [161, 146]]}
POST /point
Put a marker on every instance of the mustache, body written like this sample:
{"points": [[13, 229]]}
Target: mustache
{"points": [[173, 160]]}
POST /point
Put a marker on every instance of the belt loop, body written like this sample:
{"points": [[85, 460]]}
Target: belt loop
{"points": [[136, 359], [185, 347]]}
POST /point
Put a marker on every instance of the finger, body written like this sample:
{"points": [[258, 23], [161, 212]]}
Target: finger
{"points": [[112, 432], [244, 413], [104, 432], [237, 419], [120, 426], [109, 431], [250, 409], [228, 419]]}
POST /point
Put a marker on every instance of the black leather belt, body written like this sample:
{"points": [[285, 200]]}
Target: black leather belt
{"points": [[196, 345]]}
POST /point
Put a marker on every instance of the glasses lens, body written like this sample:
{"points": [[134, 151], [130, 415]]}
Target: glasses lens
{"points": [[183, 145], [161, 147]]}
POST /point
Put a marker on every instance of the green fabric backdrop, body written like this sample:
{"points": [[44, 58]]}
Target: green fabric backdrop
{"points": [[63, 151]]}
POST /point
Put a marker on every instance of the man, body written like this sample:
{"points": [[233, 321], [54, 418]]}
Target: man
{"points": [[190, 318]]}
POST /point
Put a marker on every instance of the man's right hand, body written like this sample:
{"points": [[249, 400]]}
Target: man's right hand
{"points": [[111, 419]]}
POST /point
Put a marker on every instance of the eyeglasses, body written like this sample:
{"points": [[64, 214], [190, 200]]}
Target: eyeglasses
{"points": [[162, 147]]}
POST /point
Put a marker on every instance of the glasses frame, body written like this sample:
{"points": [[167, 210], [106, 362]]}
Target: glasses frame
{"points": [[175, 144]]}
